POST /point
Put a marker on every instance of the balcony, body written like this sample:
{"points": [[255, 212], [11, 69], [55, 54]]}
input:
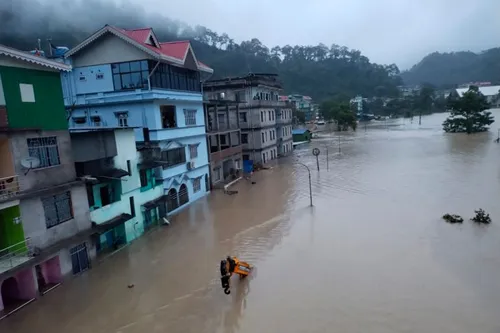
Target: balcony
{"points": [[264, 104], [9, 188], [175, 132], [221, 127], [217, 156], [15, 255]]}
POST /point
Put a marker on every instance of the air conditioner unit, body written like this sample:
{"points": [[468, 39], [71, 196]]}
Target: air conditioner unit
{"points": [[190, 165]]}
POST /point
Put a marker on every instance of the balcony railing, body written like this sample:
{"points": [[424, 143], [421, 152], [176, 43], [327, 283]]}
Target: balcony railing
{"points": [[212, 127], [9, 187], [15, 255]]}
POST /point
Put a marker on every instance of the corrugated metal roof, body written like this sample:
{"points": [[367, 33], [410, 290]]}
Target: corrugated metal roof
{"points": [[299, 131], [34, 59]]}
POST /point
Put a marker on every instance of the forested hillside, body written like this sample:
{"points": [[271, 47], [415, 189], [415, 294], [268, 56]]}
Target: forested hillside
{"points": [[319, 71], [448, 69]]}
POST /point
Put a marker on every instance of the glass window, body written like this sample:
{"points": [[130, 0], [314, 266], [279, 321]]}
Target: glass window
{"points": [[130, 75], [135, 66], [190, 116], [124, 67], [173, 157]]}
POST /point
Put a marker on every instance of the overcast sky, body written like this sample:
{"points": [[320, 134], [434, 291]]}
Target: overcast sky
{"points": [[387, 31]]}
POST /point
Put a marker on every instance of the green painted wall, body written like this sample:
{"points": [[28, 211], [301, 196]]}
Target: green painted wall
{"points": [[10, 232], [47, 112], [115, 189]]}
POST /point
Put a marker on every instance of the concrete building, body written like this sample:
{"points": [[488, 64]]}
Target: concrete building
{"points": [[261, 114], [45, 227], [223, 138], [302, 104], [127, 78], [123, 195]]}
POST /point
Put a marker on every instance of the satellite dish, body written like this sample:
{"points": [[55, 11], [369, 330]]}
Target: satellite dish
{"points": [[30, 162]]}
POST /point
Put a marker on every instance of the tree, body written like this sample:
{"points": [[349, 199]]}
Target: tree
{"points": [[468, 113], [340, 112]]}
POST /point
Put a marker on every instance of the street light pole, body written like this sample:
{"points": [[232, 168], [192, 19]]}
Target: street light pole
{"points": [[310, 186]]}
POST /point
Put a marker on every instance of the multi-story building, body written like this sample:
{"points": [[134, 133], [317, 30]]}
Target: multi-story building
{"points": [[123, 196], [302, 104], [259, 110], [45, 227], [223, 137], [127, 78]]}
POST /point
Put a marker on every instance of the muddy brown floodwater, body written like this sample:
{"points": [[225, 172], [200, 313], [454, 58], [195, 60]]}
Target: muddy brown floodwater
{"points": [[372, 255]]}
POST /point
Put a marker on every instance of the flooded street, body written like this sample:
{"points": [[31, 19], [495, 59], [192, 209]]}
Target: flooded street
{"points": [[372, 255]]}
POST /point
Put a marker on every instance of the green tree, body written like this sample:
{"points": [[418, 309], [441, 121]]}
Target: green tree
{"points": [[468, 113], [341, 113]]}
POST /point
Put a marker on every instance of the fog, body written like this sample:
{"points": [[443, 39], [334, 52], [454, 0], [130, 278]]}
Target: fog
{"points": [[387, 31]]}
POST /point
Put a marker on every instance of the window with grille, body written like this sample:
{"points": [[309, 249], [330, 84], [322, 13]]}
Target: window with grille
{"points": [[143, 175], [122, 118], [57, 208], [193, 151], [45, 149], [197, 184], [173, 157], [190, 116], [183, 195]]}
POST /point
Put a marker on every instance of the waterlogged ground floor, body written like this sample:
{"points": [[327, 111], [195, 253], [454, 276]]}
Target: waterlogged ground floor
{"points": [[372, 255]]}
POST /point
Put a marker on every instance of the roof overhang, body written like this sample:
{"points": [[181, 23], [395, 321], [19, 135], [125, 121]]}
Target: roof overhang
{"points": [[158, 55], [25, 56]]}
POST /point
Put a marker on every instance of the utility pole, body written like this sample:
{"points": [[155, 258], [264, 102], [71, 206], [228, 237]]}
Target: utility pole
{"points": [[339, 142], [310, 185], [327, 163]]}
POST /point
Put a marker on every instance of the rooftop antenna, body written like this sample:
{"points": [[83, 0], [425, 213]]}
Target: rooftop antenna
{"points": [[49, 40], [39, 42]]}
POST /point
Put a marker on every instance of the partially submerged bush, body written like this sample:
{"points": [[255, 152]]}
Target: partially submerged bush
{"points": [[481, 217], [453, 218]]}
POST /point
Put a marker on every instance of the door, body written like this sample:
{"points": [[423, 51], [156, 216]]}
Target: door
{"points": [[79, 258]]}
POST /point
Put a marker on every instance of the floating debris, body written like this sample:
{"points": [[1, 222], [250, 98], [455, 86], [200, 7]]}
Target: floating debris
{"points": [[453, 218], [131, 286], [481, 217]]}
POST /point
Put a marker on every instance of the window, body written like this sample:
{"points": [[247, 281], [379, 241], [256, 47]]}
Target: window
{"points": [[266, 136], [263, 158], [223, 140], [173, 157], [216, 174], [82, 78], [193, 151], [122, 118], [269, 115], [132, 205], [99, 76], [27, 93], [143, 175], [174, 78], [130, 75], [190, 116], [57, 209], [243, 117], [272, 113], [262, 116], [244, 138], [197, 184], [246, 157], [283, 131], [45, 149], [263, 137], [168, 116], [129, 168]]}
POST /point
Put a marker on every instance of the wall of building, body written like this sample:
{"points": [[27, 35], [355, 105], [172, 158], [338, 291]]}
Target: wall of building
{"points": [[87, 80], [6, 161], [255, 138], [34, 224], [255, 116], [47, 111], [43, 177], [106, 50]]}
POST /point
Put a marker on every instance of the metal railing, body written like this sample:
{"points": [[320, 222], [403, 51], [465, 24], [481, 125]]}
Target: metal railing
{"points": [[9, 187], [14, 255]]}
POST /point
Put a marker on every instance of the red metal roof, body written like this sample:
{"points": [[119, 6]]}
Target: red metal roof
{"points": [[176, 50]]}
